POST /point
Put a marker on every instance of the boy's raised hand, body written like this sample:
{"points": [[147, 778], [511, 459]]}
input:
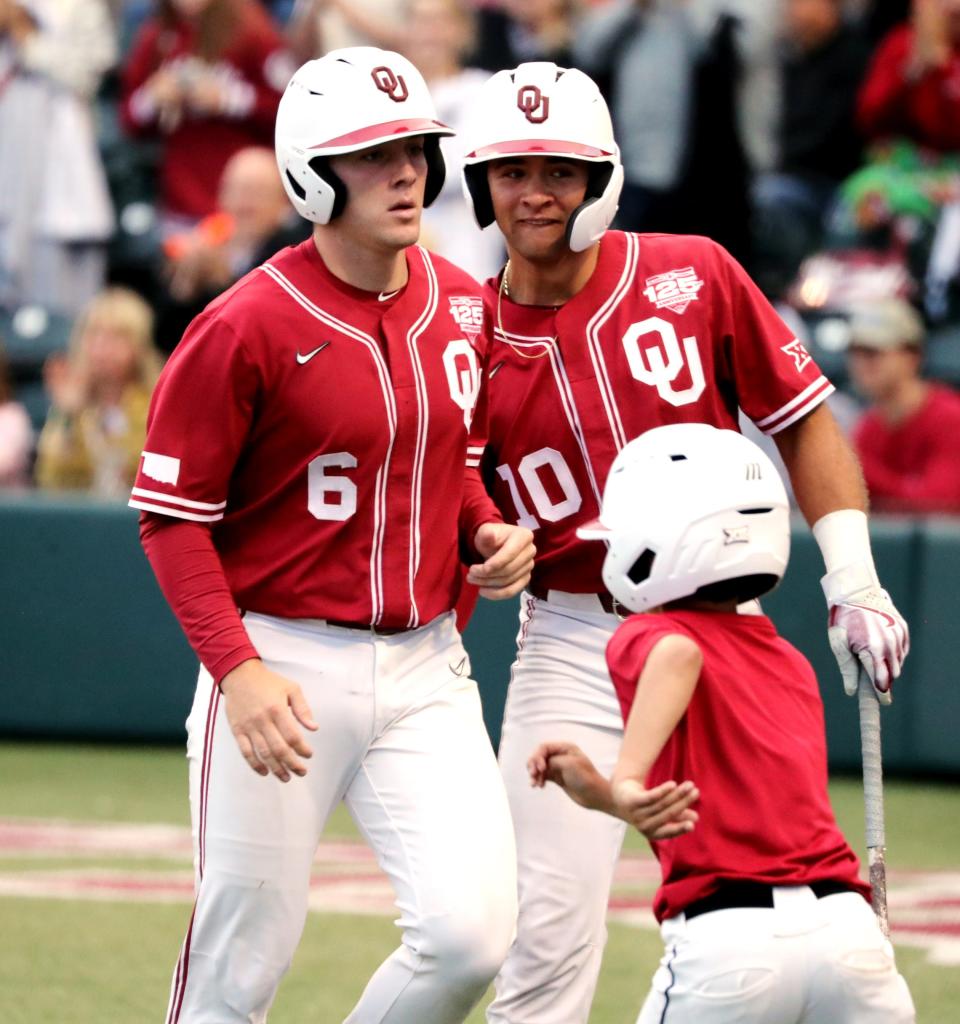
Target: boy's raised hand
{"points": [[570, 768], [663, 812]]}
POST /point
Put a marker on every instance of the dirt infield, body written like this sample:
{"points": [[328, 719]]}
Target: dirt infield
{"points": [[924, 906]]}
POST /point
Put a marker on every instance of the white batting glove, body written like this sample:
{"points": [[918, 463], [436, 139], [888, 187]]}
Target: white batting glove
{"points": [[865, 629]]}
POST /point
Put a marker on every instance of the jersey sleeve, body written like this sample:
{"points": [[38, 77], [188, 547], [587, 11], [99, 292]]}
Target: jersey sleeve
{"points": [[199, 419], [776, 378], [192, 580], [627, 653]]}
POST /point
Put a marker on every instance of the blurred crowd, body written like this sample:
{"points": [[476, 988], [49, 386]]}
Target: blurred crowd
{"points": [[818, 140]]}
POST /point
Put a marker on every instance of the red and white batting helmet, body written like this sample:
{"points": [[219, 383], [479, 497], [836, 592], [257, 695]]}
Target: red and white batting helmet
{"points": [[691, 510], [540, 109], [347, 100]]}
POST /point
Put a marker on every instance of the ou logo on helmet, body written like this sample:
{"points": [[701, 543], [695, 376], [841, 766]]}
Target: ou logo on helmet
{"points": [[392, 84], [659, 365], [535, 106]]}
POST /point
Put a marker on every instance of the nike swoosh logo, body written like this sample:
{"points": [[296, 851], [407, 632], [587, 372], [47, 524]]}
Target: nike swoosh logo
{"points": [[383, 296], [495, 370], [302, 359]]}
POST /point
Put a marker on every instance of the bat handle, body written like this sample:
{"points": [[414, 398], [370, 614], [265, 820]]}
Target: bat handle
{"points": [[873, 798]]}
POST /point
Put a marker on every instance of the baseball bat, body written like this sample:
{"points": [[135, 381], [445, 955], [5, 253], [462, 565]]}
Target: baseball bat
{"points": [[873, 798]]}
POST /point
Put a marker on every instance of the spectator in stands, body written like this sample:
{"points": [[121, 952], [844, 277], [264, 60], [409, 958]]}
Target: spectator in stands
{"points": [[510, 32], [907, 440], [206, 76], [822, 64], [439, 34], [913, 86], [647, 51], [318, 26], [253, 220], [55, 211], [16, 434], [99, 394]]}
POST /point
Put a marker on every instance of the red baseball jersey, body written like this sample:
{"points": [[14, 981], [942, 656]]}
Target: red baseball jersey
{"points": [[753, 741], [323, 432], [669, 329]]}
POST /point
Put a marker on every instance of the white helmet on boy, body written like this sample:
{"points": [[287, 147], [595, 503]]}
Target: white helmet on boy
{"points": [[347, 100], [687, 507], [540, 109]]}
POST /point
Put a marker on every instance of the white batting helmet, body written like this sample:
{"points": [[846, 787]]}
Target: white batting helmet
{"points": [[347, 100], [692, 510], [540, 109]]}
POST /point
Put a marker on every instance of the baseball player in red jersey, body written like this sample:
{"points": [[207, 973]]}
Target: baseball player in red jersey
{"points": [[306, 463], [600, 336], [723, 764]]}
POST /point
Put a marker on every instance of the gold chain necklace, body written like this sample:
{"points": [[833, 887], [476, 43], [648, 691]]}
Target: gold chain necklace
{"points": [[504, 289]]}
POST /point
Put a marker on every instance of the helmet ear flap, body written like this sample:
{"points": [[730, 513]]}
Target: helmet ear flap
{"points": [[477, 190], [436, 168], [320, 165], [591, 218]]}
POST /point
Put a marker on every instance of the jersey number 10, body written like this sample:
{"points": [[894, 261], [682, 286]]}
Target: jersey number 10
{"points": [[530, 470]]}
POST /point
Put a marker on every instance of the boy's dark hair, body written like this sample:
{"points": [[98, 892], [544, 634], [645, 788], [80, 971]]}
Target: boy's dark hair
{"points": [[741, 588]]}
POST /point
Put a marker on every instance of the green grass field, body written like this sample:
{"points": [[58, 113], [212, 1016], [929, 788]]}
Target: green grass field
{"points": [[102, 962]]}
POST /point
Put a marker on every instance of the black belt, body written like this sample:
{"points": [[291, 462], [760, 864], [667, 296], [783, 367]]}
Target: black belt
{"points": [[754, 894], [607, 601], [367, 627]]}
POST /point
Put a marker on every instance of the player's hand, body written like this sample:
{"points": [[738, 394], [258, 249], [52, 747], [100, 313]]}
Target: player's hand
{"points": [[663, 812], [263, 709], [566, 765], [509, 554], [865, 629]]}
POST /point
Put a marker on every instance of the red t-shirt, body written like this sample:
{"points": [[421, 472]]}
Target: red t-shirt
{"points": [[914, 465], [926, 110], [253, 72], [753, 741], [323, 434], [669, 329]]}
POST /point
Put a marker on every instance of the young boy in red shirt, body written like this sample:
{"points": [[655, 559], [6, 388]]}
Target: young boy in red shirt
{"points": [[762, 910]]}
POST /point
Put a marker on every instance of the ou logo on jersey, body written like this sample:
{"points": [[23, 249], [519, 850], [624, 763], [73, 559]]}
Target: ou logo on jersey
{"points": [[659, 365], [463, 376]]}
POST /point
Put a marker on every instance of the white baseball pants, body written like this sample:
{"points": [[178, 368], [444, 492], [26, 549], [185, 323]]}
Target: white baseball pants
{"points": [[804, 961], [559, 690], [402, 742]]}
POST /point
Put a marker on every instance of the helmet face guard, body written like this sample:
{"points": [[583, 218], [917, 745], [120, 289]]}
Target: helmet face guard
{"points": [[689, 510], [349, 100], [540, 109]]}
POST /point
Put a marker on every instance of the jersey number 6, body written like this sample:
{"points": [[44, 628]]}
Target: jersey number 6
{"points": [[322, 487]]}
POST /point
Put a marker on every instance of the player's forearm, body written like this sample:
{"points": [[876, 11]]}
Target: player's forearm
{"points": [[191, 577], [823, 468], [476, 508]]}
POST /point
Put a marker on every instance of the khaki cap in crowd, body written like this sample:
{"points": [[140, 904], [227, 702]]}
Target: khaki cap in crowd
{"points": [[886, 324]]}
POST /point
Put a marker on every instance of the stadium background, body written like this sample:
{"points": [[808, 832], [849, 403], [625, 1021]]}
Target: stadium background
{"points": [[97, 680]]}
